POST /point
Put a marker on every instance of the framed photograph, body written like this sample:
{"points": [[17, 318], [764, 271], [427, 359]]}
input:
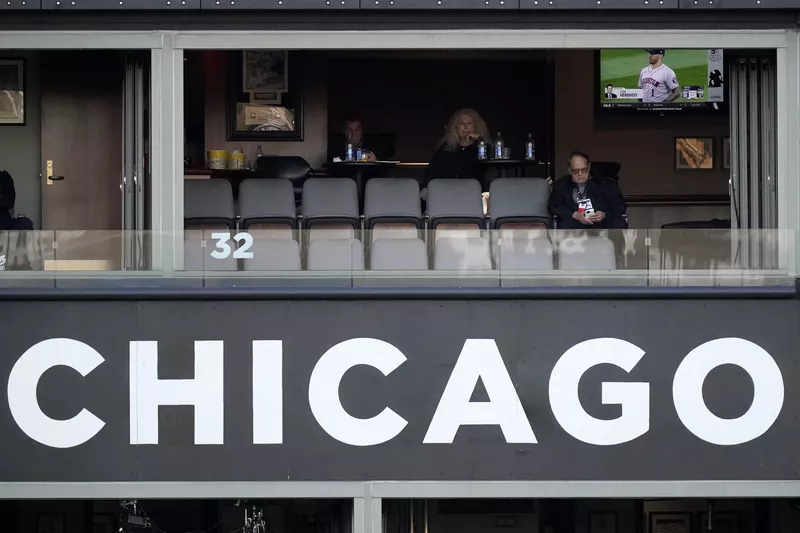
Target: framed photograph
{"points": [[265, 70], [726, 153], [50, 524], [670, 523], [694, 153], [257, 109], [268, 98], [12, 92], [603, 523], [720, 523]]}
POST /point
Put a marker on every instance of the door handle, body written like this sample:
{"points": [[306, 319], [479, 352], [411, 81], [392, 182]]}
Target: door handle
{"points": [[50, 177]]}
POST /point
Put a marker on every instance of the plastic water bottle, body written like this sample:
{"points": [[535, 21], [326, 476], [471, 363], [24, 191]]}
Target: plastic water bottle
{"points": [[482, 149], [348, 154], [498, 146], [530, 150]]}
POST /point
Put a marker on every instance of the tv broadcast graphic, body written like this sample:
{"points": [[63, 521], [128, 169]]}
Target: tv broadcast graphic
{"points": [[661, 80]]}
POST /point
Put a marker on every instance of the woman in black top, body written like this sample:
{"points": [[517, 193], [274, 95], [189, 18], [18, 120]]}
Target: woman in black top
{"points": [[457, 152]]}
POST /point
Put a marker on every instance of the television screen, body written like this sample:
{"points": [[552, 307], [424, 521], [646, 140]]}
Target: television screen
{"points": [[661, 80]]}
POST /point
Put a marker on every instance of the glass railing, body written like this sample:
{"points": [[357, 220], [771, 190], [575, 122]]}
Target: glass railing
{"points": [[398, 257]]}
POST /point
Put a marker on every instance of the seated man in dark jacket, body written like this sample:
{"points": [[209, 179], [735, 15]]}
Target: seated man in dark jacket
{"points": [[8, 197], [583, 202]]}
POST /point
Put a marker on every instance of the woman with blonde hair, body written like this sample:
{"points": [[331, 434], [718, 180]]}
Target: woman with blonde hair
{"points": [[457, 152]]}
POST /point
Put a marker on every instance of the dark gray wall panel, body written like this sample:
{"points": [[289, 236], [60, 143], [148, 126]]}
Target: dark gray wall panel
{"points": [[361, 19], [531, 336], [591, 5], [739, 4], [288, 5], [599, 5], [483, 5], [20, 5], [90, 5], [121, 5]]}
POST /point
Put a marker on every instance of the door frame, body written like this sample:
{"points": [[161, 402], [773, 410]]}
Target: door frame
{"points": [[166, 86]]}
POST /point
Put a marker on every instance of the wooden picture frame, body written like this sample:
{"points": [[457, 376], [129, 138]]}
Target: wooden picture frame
{"points": [[726, 153], [13, 99], [50, 523], [260, 112], [694, 153], [720, 523], [670, 523], [602, 522]]}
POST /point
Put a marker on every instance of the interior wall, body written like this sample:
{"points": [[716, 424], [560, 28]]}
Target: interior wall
{"points": [[624, 511], [73, 514], [315, 112], [413, 97], [785, 516], [643, 145], [744, 508], [20, 146], [480, 523]]}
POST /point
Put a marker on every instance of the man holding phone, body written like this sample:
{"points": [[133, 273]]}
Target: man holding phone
{"points": [[581, 201]]}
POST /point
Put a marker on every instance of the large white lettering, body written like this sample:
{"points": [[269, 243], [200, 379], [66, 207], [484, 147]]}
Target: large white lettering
{"points": [[480, 359], [24, 404], [204, 392], [267, 392], [633, 397], [687, 391], [323, 392]]}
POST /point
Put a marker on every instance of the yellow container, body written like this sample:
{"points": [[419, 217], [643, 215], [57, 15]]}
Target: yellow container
{"points": [[217, 159], [236, 161]]}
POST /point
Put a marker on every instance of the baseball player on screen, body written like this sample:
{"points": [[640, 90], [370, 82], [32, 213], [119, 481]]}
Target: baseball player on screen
{"points": [[657, 81]]}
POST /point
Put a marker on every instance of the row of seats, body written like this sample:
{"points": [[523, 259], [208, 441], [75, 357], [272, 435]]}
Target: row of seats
{"points": [[449, 253], [389, 203]]}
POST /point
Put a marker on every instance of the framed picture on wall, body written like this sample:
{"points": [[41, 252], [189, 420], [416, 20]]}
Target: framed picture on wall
{"points": [[265, 70], [726, 153], [265, 100], [720, 523], [694, 153], [670, 523], [50, 523], [603, 522], [269, 98], [12, 92]]}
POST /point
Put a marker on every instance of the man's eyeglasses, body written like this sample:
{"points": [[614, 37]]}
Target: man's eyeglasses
{"points": [[579, 171]]}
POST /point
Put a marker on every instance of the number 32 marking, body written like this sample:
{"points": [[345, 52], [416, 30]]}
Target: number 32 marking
{"points": [[223, 247]]}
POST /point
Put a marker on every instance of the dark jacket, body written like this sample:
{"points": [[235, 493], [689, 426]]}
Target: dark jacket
{"points": [[461, 163], [8, 197], [604, 193]]}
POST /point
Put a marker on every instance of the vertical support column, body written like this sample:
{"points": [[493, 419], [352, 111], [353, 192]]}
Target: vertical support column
{"points": [[375, 515], [367, 513], [359, 515], [167, 156], [754, 156], [788, 155]]}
